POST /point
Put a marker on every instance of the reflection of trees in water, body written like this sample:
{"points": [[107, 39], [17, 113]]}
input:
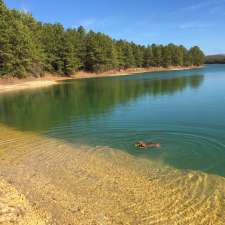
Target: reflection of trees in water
{"points": [[40, 110], [172, 85]]}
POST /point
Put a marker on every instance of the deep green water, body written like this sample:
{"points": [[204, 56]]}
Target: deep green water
{"points": [[183, 110]]}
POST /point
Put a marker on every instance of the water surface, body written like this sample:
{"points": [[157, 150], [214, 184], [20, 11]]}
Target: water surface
{"points": [[183, 110]]}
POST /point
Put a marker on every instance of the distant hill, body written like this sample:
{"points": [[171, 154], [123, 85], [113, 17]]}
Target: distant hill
{"points": [[215, 59]]}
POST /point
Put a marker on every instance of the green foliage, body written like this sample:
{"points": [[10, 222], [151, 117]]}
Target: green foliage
{"points": [[148, 57], [166, 56], [29, 47], [19, 51], [129, 60], [215, 59], [196, 56], [52, 37], [100, 52], [80, 43], [138, 53]]}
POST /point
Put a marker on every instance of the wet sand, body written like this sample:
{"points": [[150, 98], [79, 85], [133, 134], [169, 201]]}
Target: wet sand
{"points": [[9, 85], [59, 183]]}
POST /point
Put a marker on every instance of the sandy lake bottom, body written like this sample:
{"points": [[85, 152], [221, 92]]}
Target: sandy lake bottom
{"points": [[48, 181]]}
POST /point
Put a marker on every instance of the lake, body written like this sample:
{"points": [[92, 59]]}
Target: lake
{"points": [[183, 110], [69, 149]]}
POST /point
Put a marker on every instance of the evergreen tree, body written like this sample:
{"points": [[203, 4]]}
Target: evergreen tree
{"points": [[120, 54], [129, 60], [101, 53], [68, 54], [6, 54], [19, 52], [166, 56], [148, 57], [196, 56], [80, 42], [28, 47], [52, 42], [157, 55], [138, 54]]}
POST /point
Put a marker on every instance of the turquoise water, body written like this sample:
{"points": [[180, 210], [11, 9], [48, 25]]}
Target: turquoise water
{"points": [[183, 110]]}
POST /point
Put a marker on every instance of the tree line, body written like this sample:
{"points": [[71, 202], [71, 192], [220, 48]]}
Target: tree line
{"points": [[31, 48], [215, 59]]}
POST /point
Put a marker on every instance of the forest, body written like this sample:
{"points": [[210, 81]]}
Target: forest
{"points": [[32, 48], [215, 59]]}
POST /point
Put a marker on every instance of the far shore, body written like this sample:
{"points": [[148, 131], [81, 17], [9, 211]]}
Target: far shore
{"points": [[14, 84]]}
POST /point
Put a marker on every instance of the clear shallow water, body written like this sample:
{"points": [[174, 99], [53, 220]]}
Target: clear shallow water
{"points": [[183, 110], [95, 178]]}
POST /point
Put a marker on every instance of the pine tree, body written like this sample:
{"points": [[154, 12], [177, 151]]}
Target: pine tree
{"points": [[28, 47], [53, 44], [157, 55], [6, 55], [128, 55], [19, 52], [138, 54], [148, 57], [81, 48], [166, 56], [101, 53], [120, 54], [196, 56], [68, 55]]}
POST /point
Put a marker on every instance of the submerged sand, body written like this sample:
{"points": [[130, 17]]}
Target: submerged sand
{"points": [[47, 181], [16, 209]]}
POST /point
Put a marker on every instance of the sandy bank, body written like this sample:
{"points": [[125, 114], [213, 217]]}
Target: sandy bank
{"points": [[7, 85], [99, 185], [131, 71]]}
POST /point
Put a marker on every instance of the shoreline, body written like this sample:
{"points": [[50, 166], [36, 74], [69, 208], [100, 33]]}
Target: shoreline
{"points": [[49, 181], [11, 85], [14, 84], [132, 71]]}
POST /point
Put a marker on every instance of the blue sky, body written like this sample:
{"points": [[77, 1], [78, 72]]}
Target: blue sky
{"points": [[190, 22]]}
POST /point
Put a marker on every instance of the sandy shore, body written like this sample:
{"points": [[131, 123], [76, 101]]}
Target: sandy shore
{"points": [[9, 85], [47, 181], [132, 71]]}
